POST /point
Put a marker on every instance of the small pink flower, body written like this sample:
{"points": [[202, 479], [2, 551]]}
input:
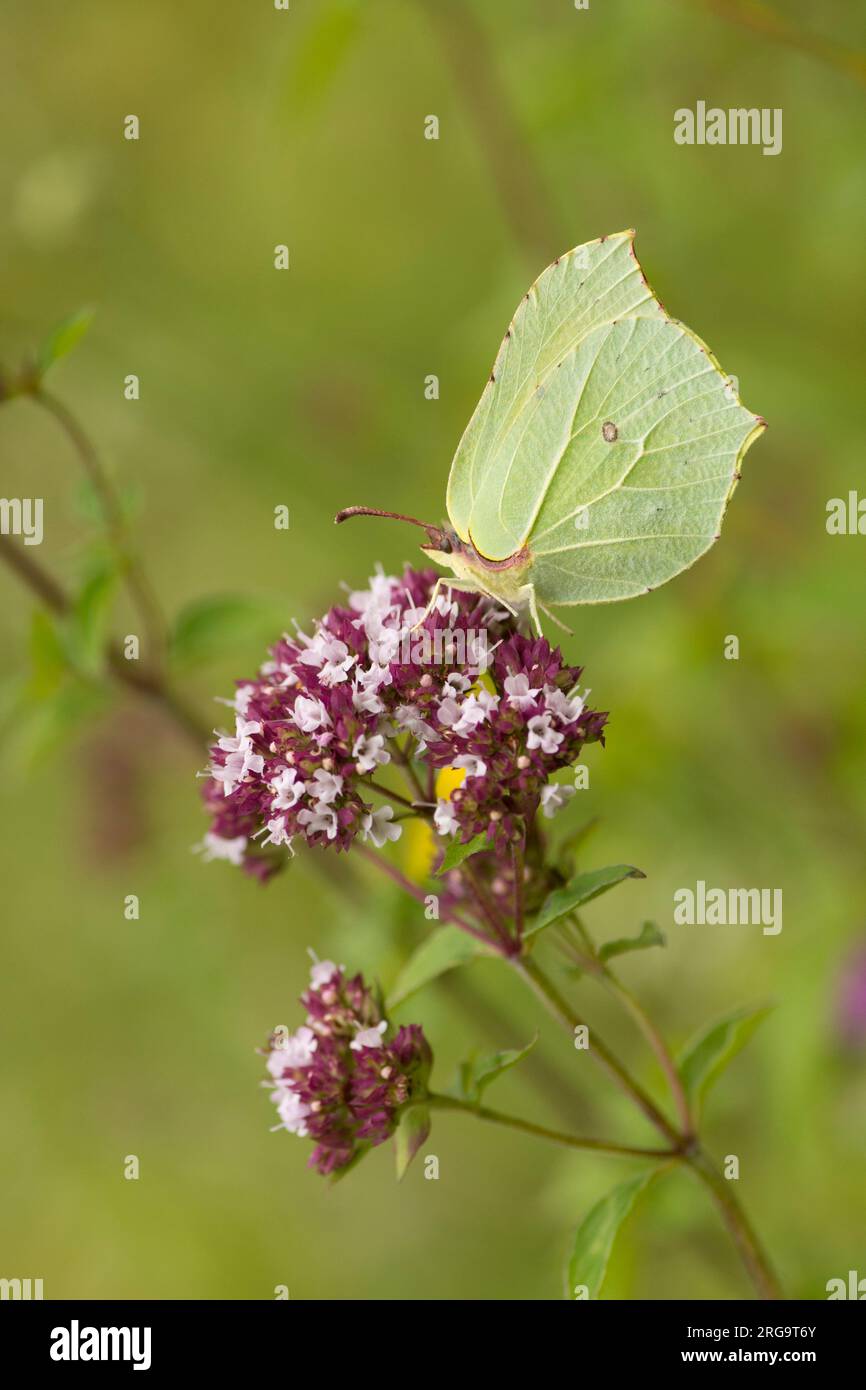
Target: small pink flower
{"points": [[519, 692], [376, 826]]}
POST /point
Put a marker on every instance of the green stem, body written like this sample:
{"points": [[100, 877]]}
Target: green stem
{"points": [[751, 1252], [391, 796], [762, 19], [555, 1136], [656, 1042], [562, 1010], [134, 576], [522, 190], [416, 892], [30, 572], [753, 1256], [143, 679], [489, 911], [517, 869], [599, 970], [403, 760]]}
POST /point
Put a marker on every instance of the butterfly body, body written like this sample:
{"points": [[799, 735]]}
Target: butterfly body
{"points": [[507, 581]]}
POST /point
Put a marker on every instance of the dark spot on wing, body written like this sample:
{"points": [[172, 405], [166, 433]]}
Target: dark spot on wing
{"points": [[609, 432]]}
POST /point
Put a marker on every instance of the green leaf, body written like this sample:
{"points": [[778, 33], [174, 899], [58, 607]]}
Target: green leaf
{"points": [[88, 629], [457, 853], [87, 501], [582, 889], [63, 339], [598, 1231], [46, 728], [318, 55], [649, 935], [447, 948], [704, 1059], [412, 1130], [48, 659], [207, 627], [477, 1074]]}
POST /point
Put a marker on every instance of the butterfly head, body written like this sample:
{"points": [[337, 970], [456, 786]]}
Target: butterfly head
{"points": [[502, 580]]}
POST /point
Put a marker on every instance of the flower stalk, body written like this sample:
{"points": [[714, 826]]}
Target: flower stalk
{"points": [[571, 1141]]}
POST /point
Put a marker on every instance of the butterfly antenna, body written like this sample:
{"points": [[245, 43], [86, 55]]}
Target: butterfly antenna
{"points": [[435, 534]]}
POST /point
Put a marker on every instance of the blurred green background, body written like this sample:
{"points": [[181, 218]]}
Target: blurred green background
{"points": [[306, 388]]}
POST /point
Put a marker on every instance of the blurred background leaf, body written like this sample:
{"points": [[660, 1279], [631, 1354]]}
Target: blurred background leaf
{"points": [[209, 627], [649, 935], [328, 36], [595, 1237], [704, 1059], [63, 339]]}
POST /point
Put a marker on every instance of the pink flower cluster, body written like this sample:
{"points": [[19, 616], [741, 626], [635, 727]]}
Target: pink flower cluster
{"points": [[512, 741], [391, 675], [338, 1080]]}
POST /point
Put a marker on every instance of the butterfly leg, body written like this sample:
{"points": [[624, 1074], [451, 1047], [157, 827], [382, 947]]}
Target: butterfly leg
{"points": [[528, 603], [552, 616], [464, 586]]}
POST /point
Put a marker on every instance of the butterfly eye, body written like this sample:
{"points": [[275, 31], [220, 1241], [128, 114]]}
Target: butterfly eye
{"points": [[445, 546]]}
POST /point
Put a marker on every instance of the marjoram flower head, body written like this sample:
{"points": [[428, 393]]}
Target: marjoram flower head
{"points": [[339, 1079], [399, 674]]}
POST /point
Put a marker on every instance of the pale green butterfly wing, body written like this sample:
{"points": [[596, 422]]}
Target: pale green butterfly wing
{"points": [[614, 471], [589, 286], [641, 437]]}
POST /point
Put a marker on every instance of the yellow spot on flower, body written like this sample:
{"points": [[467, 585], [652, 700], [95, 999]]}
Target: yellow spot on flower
{"points": [[448, 780], [419, 842]]}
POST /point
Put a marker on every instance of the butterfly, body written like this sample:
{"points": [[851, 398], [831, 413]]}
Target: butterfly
{"points": [[601, 457]]}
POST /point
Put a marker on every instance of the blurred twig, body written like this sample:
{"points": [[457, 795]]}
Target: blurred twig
{"points": [[763, 19], [43, 584], [522, 191], [144, 680], [134, 576]]}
